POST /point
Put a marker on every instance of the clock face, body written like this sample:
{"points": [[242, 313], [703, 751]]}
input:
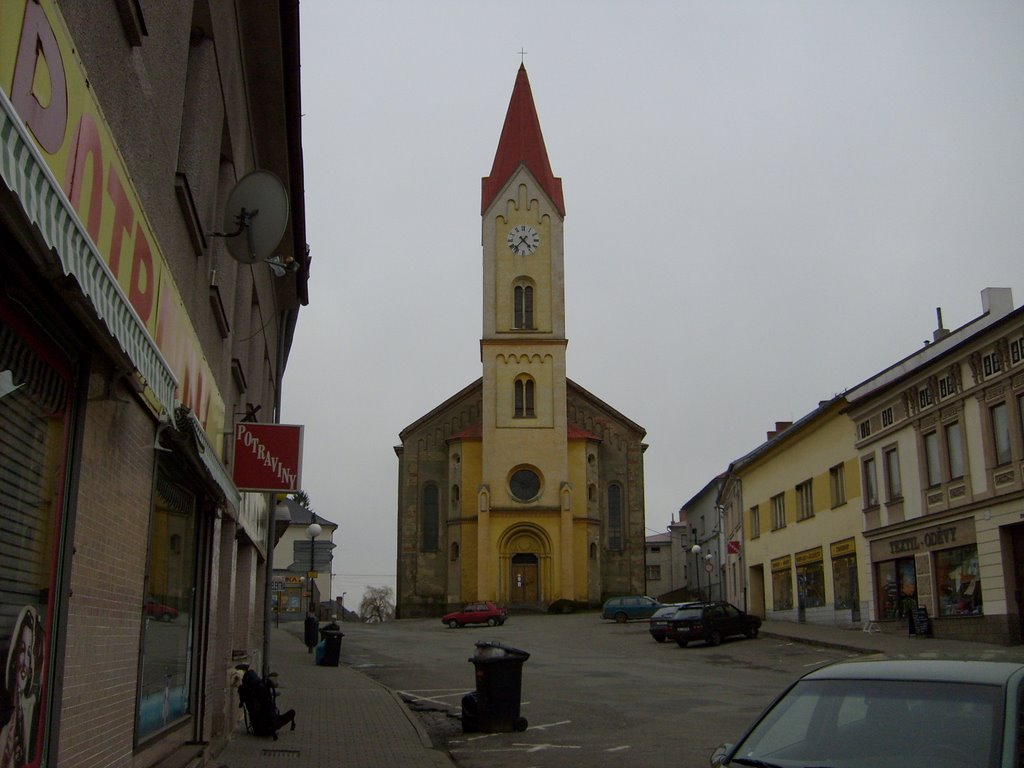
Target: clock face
{"points": [[523, 240], [524, 484]]}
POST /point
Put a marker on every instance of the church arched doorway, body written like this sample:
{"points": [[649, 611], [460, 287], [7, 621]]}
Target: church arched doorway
{"points": [[523, 579]]}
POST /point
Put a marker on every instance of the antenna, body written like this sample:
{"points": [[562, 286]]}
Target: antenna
{"points": [[257, 207]]}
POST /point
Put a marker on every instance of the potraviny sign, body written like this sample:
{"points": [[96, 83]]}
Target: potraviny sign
{"points": [[268, 457]]}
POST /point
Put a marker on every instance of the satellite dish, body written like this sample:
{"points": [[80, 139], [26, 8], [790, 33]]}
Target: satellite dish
{"points": [[255, 216]]}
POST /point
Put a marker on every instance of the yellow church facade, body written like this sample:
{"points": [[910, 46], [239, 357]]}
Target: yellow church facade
{"points": [[523, 488]]}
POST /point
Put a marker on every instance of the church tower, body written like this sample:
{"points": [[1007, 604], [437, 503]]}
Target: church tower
{"points": [[525, 499], [522, 488]]}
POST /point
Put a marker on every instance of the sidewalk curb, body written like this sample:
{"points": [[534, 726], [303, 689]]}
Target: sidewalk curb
{"points": [[820, 643]]}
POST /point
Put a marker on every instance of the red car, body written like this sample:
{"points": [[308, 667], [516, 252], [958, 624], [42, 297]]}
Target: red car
{"points": [[476, 613], [161, 611]]}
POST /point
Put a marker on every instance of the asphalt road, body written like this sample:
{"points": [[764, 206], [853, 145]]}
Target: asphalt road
{"points": [[594, 693]]}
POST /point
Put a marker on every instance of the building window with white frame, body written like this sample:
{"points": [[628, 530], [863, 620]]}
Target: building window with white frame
{"points": [[1001, 434], [837, 485], [870, 482], [755, 522], [893, 481], [955, 446], [804, 500], [778, 512], [931, 459]]}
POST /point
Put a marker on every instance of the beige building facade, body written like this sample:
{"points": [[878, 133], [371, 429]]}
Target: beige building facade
{"points": [[940, 446], [523, 488]]}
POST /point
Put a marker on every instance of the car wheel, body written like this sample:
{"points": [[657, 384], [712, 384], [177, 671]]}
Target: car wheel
{"points": [[751, 632], [681, 643], [520, 724], [453, 623], [491, 621], [620, 618], [715, 638], [659, 638]]}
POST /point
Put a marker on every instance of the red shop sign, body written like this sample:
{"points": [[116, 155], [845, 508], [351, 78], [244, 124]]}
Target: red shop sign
{"points": [[268, 457]]}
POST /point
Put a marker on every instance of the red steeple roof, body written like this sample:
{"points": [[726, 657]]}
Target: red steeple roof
{"points": [[521, 142]]}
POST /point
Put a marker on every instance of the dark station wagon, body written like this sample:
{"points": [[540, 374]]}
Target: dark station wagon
{"points": [[712, 623]]}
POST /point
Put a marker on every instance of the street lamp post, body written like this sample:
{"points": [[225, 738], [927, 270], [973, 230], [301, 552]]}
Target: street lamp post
{"points": [[312, 532], [696, 558]]}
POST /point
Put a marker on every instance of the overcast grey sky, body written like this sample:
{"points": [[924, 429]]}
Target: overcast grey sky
{"points": [[765, 204]]}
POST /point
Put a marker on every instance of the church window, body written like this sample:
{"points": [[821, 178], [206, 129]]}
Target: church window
{"points": [[428, 540], [523, 303], [454, 551], [524, 389], [593, 551], [455, 495], [615, 517]]}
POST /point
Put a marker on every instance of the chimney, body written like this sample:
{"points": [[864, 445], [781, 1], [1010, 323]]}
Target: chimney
{"points": [[998, 301], [940, 332], [780, 426]]}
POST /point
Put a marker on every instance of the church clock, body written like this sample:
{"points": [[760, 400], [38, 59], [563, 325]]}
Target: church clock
{"points": [[523, 240]]}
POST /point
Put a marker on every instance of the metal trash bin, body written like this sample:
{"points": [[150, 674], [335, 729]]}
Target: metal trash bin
{"points": [[331, 636], [494, 706]]}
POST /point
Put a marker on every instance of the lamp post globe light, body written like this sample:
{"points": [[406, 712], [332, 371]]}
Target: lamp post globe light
{"points": [[696, 559], [312, 531]]}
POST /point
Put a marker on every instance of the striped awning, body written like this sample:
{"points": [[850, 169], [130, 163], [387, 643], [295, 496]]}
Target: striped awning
{"points": [[26, 173]]}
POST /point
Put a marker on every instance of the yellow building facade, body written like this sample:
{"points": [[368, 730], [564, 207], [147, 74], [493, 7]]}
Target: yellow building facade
{"points": [[803, 553], [523, 488]]}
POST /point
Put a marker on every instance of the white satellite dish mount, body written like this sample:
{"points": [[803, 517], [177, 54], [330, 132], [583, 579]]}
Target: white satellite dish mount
{"points": [[255, 217]]}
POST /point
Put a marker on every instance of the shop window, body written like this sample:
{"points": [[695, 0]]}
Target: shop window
{"points": [[810, 579], [897, 588], [35, 412], [844, 582], [165, 680], [430, 512], [957, 576], [782, 589]]}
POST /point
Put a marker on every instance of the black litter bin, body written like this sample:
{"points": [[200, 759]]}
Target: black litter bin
{"points": [[331, 635], [494, 706]]}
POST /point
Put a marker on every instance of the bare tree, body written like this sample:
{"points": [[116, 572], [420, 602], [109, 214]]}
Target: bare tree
{"points": [[377, 604]]}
